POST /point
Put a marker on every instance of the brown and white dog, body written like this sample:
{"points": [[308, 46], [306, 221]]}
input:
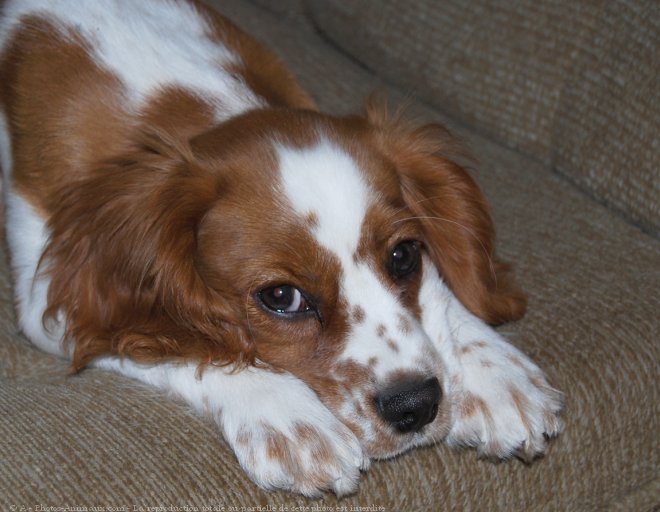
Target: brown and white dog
{"points": [[178, 211]]}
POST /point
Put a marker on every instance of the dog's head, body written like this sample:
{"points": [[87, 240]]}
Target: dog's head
{"points": [[289, 239]]}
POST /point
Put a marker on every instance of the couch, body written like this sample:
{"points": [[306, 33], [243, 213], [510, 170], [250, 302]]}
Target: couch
{"points": [[559, 102]]}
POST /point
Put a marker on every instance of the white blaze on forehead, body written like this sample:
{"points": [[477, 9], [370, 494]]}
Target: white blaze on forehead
{"points": [[324, 181]]}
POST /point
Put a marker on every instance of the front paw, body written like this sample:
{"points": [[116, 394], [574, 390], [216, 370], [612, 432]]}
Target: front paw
{"points": [[304, 457], [285, 438], [503, 404]]}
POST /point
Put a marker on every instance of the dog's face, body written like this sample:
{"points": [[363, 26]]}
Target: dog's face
{"points": [[315, 241], [320, 243]]}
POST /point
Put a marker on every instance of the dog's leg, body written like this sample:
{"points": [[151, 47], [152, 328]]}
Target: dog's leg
{"points": [[283, 436], [502, 403]]}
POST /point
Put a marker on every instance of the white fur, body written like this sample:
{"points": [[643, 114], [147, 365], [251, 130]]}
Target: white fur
{"points": [[325, 181], [148, 45], [27, 237], [255, 403]]}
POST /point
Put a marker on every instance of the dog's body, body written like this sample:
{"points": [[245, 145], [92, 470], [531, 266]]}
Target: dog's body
{"points": [[178, 211]]}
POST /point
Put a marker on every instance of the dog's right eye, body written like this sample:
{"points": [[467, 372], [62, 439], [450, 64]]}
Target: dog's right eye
{"points": [[284, 299], [404, 258]]}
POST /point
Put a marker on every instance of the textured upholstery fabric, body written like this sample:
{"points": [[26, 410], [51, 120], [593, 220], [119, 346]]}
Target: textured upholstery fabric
{"points": [[574, 84], [607, 135], [495, 65], [96, 439]]}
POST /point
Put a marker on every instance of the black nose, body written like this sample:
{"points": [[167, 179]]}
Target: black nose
{"points": [[411, 404]]}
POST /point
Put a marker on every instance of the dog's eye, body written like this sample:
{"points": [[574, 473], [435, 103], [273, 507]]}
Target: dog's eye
{"points": [[404, 258], [284, 299]]}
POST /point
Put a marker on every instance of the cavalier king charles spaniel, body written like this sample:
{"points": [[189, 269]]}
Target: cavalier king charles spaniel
{"points": [[180, 212]]}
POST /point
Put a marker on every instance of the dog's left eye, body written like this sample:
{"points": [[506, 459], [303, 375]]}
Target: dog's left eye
{"points": [[284, 299], [404, 258]]}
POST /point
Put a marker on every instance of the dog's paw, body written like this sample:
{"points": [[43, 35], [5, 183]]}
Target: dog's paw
{"points": [[303, 458], [503, 404], [285, 438]]}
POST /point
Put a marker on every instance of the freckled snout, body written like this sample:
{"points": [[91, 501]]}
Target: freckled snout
{"points": [[411, 404]]}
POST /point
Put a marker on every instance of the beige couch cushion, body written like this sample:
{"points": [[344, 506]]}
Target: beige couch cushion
{"points": [[574, 84]]}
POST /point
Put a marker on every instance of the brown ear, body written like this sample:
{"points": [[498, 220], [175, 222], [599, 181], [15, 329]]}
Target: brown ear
{"points": [[121, 259], [458, 228]]}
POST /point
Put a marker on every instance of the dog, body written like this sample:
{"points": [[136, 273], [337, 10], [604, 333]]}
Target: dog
{"points": [[178, 211]]}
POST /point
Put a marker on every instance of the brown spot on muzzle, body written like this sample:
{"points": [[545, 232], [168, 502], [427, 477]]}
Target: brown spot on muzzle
{"points": [[393, 345], [358, 314]]}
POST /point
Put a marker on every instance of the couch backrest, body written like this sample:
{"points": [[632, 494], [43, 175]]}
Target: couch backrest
{"points": [[574, 84], [606, 134]]}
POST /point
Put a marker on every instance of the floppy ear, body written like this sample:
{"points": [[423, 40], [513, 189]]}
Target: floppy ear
{"points": [[454, 214], [121, 259]]}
